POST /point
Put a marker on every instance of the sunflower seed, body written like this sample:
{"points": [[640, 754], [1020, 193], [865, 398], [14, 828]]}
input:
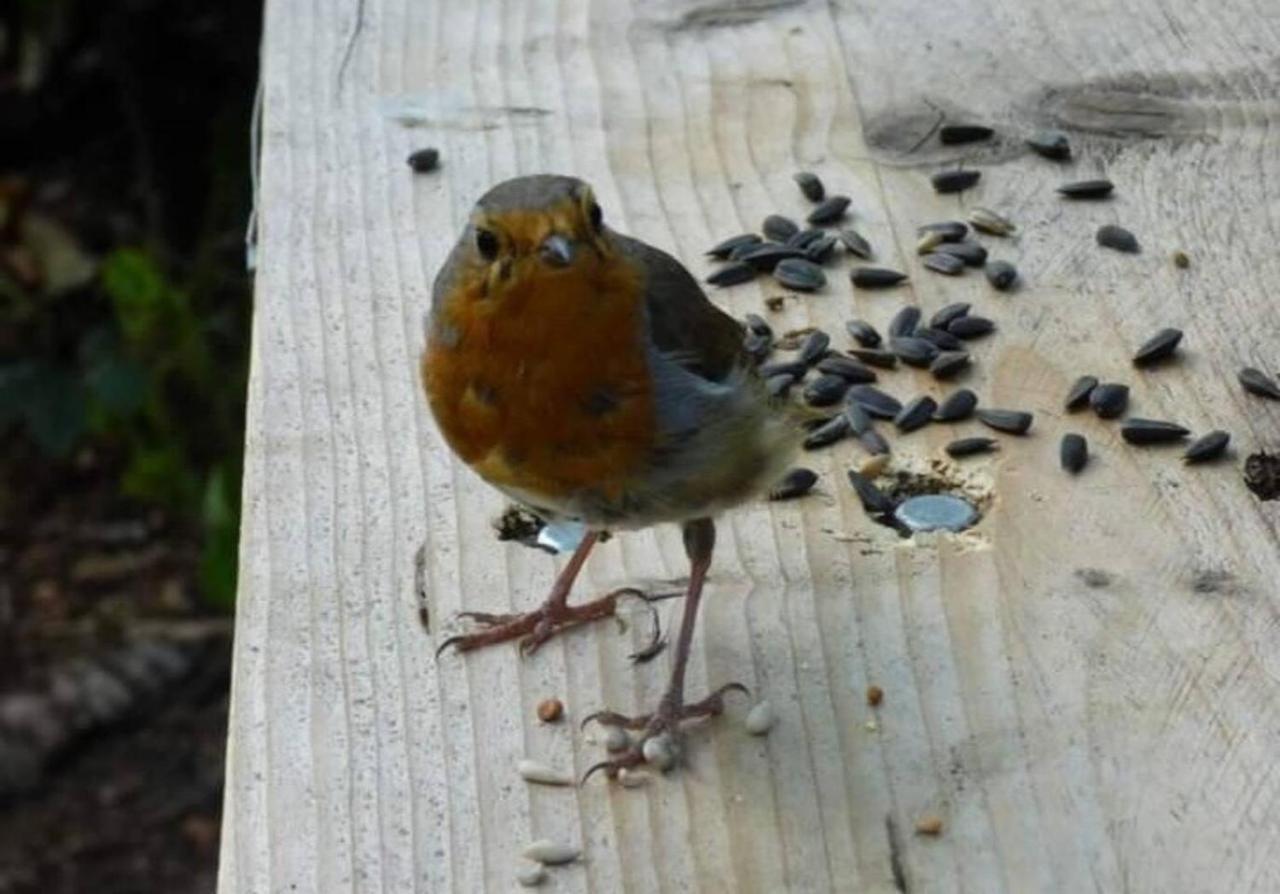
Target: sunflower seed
{"points": [[722, 249], [873, 499], [876, 357], [740, 251], [940, 337], [928, 242], [988, 221], [915, 414], [943, 263], [873, 442], [1112, 236], [531, 876], [757, 346], [424, 161], [1015, 422], [942, 317], [796, 368], [948, 364], [958, 405], [1073, 452], [616, 739], [1151, 431], [957, 134], [859, 419], [810, 185], [1078, 395], [814, 347], [1207, 447], [970, 327], [856, 244], [971, 253], [829, 210], [1158, 347], [848, 369], [768, 255], [796, 483], [550, 853], [1086, 189], [863, 333], [778, 385], [829, 432], [1181, 259], [802, 239], [875, 401], [757, 324], [970, 446], [1001, 274], [956, 180], [800, 274], [951, 230], [1257, 382], [1051, 144], [913, 351], [875, 277], [732, 274], [905, 321], [1109, 400], [760, 719], [825, 390], [660, 751], [820, 250], [779, 228]]}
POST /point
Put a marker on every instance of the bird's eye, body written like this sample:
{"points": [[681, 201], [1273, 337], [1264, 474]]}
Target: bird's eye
{"points": [[596, 216], [486, 244]]}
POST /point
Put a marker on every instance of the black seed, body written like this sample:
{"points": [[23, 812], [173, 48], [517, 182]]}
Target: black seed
{"points": [[800, 274], [820, 250], [825, 390], [834, 429], [863, 333], [875, 401], [804, 238], [810, 185], [958, 405], [1151, 431], [848, 369], [873, 499], [1207, 447], [740, 251], [1001, 274], [779, 384], [796, 483], [757, 345], [829, 210], [1086, 189], [1158, 347], [1051, 144], [1078, 395], [795, 368], [956, 180], [1073, 452], [951, 230], [757, 323], [875, 277], [723, 249], [732, 274], [1015, 422], [957, 134], [940, 337], [814, 347], [1257, 382], [913, 351], [905, 321], [873, 442], [916, 413], [1109, 400], [779, 228], [949, 364], [876, 357], [1112, 236], [768, 255], [971, 253], [859, 419], [971, 446], [424, 160], [970, 327], [941, 318], [943, 263], [855, 244]]}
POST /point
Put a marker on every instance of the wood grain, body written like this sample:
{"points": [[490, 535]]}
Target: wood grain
{"points": [[1085, 691]]}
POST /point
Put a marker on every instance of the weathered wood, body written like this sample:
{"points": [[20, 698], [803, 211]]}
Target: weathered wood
{"points": [[1085, 690]]}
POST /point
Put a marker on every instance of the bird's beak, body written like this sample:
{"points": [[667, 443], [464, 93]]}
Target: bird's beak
{"points": [[556, 250]]}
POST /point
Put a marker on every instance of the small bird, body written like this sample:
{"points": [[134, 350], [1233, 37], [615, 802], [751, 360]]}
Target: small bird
{"points": [[585, 375]]}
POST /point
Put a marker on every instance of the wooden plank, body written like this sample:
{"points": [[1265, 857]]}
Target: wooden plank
{"points": [[1085, 689]]}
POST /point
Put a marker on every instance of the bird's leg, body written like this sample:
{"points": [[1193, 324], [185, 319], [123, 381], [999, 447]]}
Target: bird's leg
{"points": [[554, 615], [699, 541]]}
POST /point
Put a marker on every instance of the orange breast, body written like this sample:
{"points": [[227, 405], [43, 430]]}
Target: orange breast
{"points": [[543, 385]]}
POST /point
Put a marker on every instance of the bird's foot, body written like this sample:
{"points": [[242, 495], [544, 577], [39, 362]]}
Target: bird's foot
{"points": [[536, 627], [659, 745]]}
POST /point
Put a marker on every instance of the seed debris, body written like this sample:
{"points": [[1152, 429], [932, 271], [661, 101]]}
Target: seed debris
{"points": [[424, 161], [550, 710]]}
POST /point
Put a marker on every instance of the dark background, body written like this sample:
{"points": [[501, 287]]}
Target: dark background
{"points": [[124, 314]]}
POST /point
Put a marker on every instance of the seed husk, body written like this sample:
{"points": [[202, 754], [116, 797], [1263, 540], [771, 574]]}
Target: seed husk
{"points": [[834, 429], [550, 853], [863, 333], [1078, 394], [876, 357], [873, 442], [820, 250], [874, 401], [859, 419], [795, 368], [757, 345], [1001, 274], [939, 262], [825, 390], [423, 161], [1052, 144], [1086, 189], [948, 364], [723, 249], [970, 326], [1158, 347], [956, 180], [1112, 236], [958, 134], [1014, 422], [779, 228], [800, 274], [767, 255], [856, 244], [1257, 382], [940, 337], [1073, 452], [1207, 447], [913, 351], [1181, 259], [810, 185], [953, 311], [971, 446], [796, 483], [1151, 431], [758, 324], [760, 719], [778, 385], [928, 242], [1109, 399], [951, 230], [814, 347], [957, 405], [971, 253], [732, 274], [989, 221], [848, 369], [875, 277], [916, 413], [874, 500], [829, 210]]}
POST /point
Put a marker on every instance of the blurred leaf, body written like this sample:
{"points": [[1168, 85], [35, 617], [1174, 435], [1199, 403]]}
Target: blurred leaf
{"points": [[219, 560], [16, 390], [120, 385], [56, 410], [159, 473], [137, 292]]}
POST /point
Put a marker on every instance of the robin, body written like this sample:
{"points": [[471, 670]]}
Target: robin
{"points": [[585, 375]]}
